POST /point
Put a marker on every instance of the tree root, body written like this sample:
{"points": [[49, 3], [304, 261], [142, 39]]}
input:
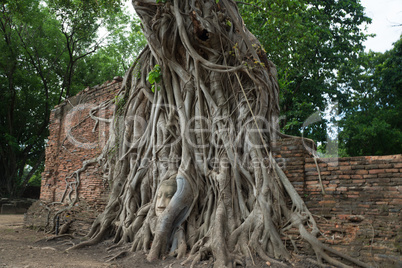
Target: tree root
{"points": [[121, 254], [93, 241], [60, 236]]}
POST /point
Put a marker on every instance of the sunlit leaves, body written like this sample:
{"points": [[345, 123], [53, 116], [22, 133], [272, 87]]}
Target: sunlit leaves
{"points": [[154, 77]]}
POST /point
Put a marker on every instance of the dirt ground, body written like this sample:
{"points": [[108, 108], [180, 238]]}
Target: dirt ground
{"points": [[21, 247]]}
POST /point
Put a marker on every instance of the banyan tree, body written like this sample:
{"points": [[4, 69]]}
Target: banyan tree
{"points": [[188, 158]]}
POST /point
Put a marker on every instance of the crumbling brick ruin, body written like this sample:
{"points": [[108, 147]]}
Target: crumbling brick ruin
{"points": [[360, 212], [75, 137]]}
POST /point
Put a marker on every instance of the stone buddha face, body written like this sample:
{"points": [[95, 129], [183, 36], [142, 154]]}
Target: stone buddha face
{"points": [[165, 193]]}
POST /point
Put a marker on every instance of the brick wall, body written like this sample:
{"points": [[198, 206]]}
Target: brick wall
{"points": [[360, 212], [291, 155], [73, 138]]}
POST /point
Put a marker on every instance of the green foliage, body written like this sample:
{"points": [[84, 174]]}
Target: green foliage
{"points": [[372, 104], [26, 89], [36, 178], [114, 58], [308, 40], [120, 101], [51, 50], [80, 23], [154, 77]]}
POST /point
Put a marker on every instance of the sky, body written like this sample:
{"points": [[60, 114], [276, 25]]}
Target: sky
{"points": [[384, 14]]}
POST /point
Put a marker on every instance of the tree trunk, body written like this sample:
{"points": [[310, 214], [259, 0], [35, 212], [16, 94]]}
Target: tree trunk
{"points": [[208, 123]]}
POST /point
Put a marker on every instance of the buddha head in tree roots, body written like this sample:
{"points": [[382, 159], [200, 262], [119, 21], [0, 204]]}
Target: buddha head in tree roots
{"points": [[165, 193]]}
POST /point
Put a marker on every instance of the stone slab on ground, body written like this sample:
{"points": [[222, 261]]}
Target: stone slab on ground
{"points": [[15, 206]]}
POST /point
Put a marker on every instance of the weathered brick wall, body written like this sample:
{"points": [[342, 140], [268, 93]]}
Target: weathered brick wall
{"points": [[360, 212], [75, 137], [291, 156]]}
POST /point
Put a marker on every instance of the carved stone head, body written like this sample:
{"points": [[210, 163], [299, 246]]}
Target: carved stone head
{"points": [[165, 193]]}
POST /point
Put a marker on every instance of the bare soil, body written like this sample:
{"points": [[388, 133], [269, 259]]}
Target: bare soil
{"points": [[27, 248], [21, 247]]}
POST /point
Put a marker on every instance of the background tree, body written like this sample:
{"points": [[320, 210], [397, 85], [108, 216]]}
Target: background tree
{"points": [[46, 55], [80, 22], [372, 103], [113, 58], [309, 41], [25, 112]]}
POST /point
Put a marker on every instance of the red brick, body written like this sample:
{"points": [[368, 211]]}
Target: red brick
{"points": [[393, 170], [385, 166], [371, 166], [370, 176], [376, 171], [345, 168], [362, 172], [344, 217], [330, 189], [327, 202], [332, 168], [396, 202], [398, 165], [310, 166]]}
